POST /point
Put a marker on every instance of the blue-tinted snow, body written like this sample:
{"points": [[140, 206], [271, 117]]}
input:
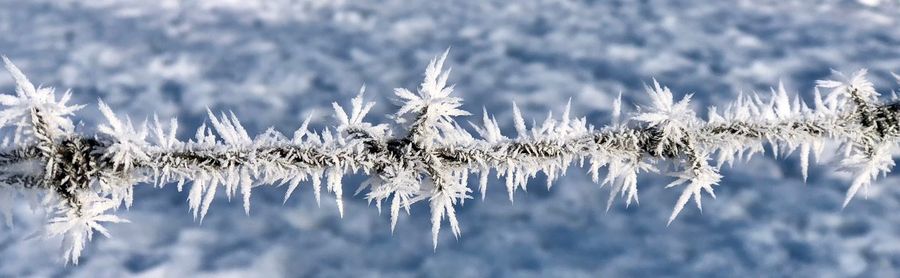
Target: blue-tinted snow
{"points": [[273, 62]]}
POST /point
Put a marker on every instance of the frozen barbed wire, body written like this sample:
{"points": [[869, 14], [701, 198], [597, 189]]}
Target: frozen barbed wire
{"points": [[80, 179]]}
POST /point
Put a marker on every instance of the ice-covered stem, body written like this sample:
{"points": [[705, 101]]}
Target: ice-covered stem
{"points": [[82, 177]]}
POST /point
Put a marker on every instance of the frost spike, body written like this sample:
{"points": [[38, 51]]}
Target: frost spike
{"points": [[24, 87], [521, 130], [246, 186], [617, 110]]}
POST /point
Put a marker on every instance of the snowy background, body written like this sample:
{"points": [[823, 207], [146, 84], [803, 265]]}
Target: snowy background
{"points": [[274, 62]]}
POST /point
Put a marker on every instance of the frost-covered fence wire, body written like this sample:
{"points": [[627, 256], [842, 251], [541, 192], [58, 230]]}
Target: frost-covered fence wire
{"points": [[426, 156]]}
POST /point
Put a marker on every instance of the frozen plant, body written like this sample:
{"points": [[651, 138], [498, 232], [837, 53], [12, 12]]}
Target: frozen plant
{"points": [[424, 156]]}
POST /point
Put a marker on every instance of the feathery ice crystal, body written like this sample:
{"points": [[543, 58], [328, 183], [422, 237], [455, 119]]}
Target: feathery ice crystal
{"points": [[426, 156]]}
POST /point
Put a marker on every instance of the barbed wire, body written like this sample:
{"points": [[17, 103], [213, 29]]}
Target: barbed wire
{"points": [[425, 156]]}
